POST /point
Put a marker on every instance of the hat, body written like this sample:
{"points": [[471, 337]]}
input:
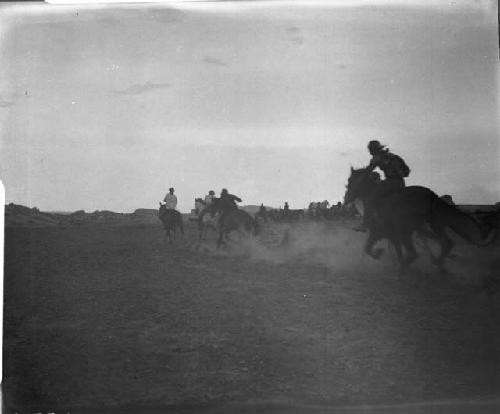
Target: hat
{"points": [[375, 145]]}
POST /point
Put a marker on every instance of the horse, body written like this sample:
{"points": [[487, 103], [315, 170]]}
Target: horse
{"points": [[233, 220], [171, 219], [199, 205], [413, 209], [206, 220], [262, 213]]}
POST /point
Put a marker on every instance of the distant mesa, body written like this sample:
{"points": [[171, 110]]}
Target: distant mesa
{"points": [[145, 212], [21, 216]]}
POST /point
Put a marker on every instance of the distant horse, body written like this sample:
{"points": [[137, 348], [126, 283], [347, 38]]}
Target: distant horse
{"points": [[171, 219], [410, 210], [234, 220], [262, 213], [314, 210]]}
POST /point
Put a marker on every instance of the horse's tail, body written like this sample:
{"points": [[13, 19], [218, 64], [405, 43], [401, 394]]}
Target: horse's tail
{"points": [[465, 225]]}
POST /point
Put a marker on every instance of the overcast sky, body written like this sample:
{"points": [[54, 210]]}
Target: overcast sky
{"points": [[107, 107]]}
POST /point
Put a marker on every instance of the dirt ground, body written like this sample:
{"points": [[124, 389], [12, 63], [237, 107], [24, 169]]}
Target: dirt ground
{"points": [[111, 319]]}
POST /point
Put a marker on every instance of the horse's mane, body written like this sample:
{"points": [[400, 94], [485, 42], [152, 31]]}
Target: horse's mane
{"points": [[358, 172]]}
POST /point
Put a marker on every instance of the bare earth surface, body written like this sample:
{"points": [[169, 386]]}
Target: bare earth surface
{"points": [[111, 319]]}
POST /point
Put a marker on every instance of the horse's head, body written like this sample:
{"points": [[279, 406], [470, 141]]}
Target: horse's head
{"points": [[359, 184]]}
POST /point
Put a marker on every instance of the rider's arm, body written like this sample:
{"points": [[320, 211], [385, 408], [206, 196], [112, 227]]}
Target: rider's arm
{"points": [[373, 163]]}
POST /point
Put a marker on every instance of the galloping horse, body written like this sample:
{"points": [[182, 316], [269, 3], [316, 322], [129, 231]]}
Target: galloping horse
{"points": [[235, 220], [171, 219], [402, 213], [206, 220]]}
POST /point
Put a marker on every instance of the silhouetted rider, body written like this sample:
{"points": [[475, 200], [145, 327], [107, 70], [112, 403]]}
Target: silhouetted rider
{"points": [[227, 203], [395, 171]]}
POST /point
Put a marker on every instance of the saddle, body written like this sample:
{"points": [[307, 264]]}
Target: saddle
{"points": [[166, 213]]}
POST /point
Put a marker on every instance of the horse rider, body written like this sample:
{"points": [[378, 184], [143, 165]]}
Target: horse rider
{"points": [[262, 212], [395, 171], [170, 200], [227, 203], [286, 211], [207, 202], [209, 198]]}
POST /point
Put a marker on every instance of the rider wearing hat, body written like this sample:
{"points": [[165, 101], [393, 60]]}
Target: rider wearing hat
{"points": [[394, 169], [209, 198], [170, 200], [392, 165], [227, 203]]}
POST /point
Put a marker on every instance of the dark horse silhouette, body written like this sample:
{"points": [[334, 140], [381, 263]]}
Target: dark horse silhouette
{"points": [[171, 219], [413, 209], [234, 220]]}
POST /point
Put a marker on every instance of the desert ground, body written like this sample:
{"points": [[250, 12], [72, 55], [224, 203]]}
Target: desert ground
{"points": [[109, 318]]}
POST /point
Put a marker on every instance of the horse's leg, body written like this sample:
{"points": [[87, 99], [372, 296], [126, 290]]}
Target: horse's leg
{"points": [[399, 250], [411, 254], [446, 245], [219, 240], [372, 239]]}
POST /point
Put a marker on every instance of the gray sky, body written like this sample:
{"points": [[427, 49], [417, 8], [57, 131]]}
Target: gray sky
{"points": [[107, 108]]}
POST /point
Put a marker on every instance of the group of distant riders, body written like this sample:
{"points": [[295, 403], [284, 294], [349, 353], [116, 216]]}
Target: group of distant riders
{"points": [[390, 211], [392, 165], [225, 203]]}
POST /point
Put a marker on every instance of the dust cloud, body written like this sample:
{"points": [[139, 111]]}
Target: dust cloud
{"points": [[337, 246]]}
